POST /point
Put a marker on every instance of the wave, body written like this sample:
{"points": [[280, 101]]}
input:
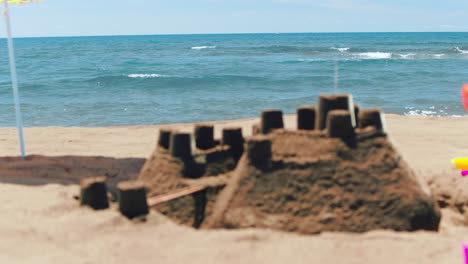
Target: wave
{"points": [[417, 56], [431, 111], [407, 56], [375, 55], [427, 113], [460, 50], [340, 49], [149, 75], [203, 47], [389, 55], [421, 113]]}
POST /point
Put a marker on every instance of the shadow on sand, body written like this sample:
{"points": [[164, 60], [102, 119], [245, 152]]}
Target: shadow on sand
{"points": [[39, 170]]}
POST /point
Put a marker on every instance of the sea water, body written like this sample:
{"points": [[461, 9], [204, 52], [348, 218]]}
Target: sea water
{"points": [[140, 80]]}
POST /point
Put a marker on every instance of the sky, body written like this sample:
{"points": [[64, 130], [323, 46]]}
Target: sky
{"points": [[148, 17]]}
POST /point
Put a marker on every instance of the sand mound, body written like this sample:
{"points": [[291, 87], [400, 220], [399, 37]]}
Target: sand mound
{"points": [[449, 190], [315, 183], [338, 173]]}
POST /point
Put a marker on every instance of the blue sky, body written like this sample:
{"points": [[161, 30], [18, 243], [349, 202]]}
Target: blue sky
{"points": [[136, 17]]}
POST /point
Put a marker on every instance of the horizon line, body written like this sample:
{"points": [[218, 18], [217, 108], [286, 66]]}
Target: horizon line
{"points": [[240, 33]]}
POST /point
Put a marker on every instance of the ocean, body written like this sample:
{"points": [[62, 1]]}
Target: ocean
{"points": [[143, 80]]}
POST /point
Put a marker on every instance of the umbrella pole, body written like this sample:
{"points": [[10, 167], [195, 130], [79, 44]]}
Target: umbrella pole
{"points": [[14, 82]]}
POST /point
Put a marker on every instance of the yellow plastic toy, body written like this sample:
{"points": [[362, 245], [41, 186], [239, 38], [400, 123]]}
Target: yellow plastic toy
{"points": [[460, 163]]}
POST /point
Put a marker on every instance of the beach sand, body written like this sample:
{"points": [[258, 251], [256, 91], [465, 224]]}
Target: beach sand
{"points": [[44, 224]]}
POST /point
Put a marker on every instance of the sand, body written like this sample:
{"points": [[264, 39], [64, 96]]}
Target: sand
{"points": [[44, 224]]}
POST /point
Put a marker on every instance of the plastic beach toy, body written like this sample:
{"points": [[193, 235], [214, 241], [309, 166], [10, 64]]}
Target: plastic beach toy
{"points": [[464, 96], [465, 252], [461, 163]]}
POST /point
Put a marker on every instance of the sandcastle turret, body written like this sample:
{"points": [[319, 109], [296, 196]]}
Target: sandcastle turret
{"points": [[259, 151], [94, 192], [372, 117], [306, 117], [327, 103], [339, 124], [271, 119], [180, 145], [234, 139], [204, 136], [132, 198], [164, 138]]}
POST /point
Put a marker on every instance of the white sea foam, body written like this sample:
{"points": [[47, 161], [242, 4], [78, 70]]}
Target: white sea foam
{"points": [[407, 56], [429, 113], [150, 75], [432, 111], [385, 55], [375, 55], [459, 50], [421, 113], [203, 47], [340, 49], [388, 55]]}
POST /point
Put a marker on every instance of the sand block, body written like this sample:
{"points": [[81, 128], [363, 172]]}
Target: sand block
{"points": [[164, 138], [233, 138], [372, 117], [180, 145], [94, 192], [132, 198], [259, 151], [316, 183], [204, 136], [306, 117], [271, 119], [339, 124], [328, 103]]}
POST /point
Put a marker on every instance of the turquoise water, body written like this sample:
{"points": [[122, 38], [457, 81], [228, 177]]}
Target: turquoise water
{"points": [[133, 80]]}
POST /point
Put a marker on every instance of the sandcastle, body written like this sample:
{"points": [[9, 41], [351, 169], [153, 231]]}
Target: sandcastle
{"points": [[336, 172]]}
